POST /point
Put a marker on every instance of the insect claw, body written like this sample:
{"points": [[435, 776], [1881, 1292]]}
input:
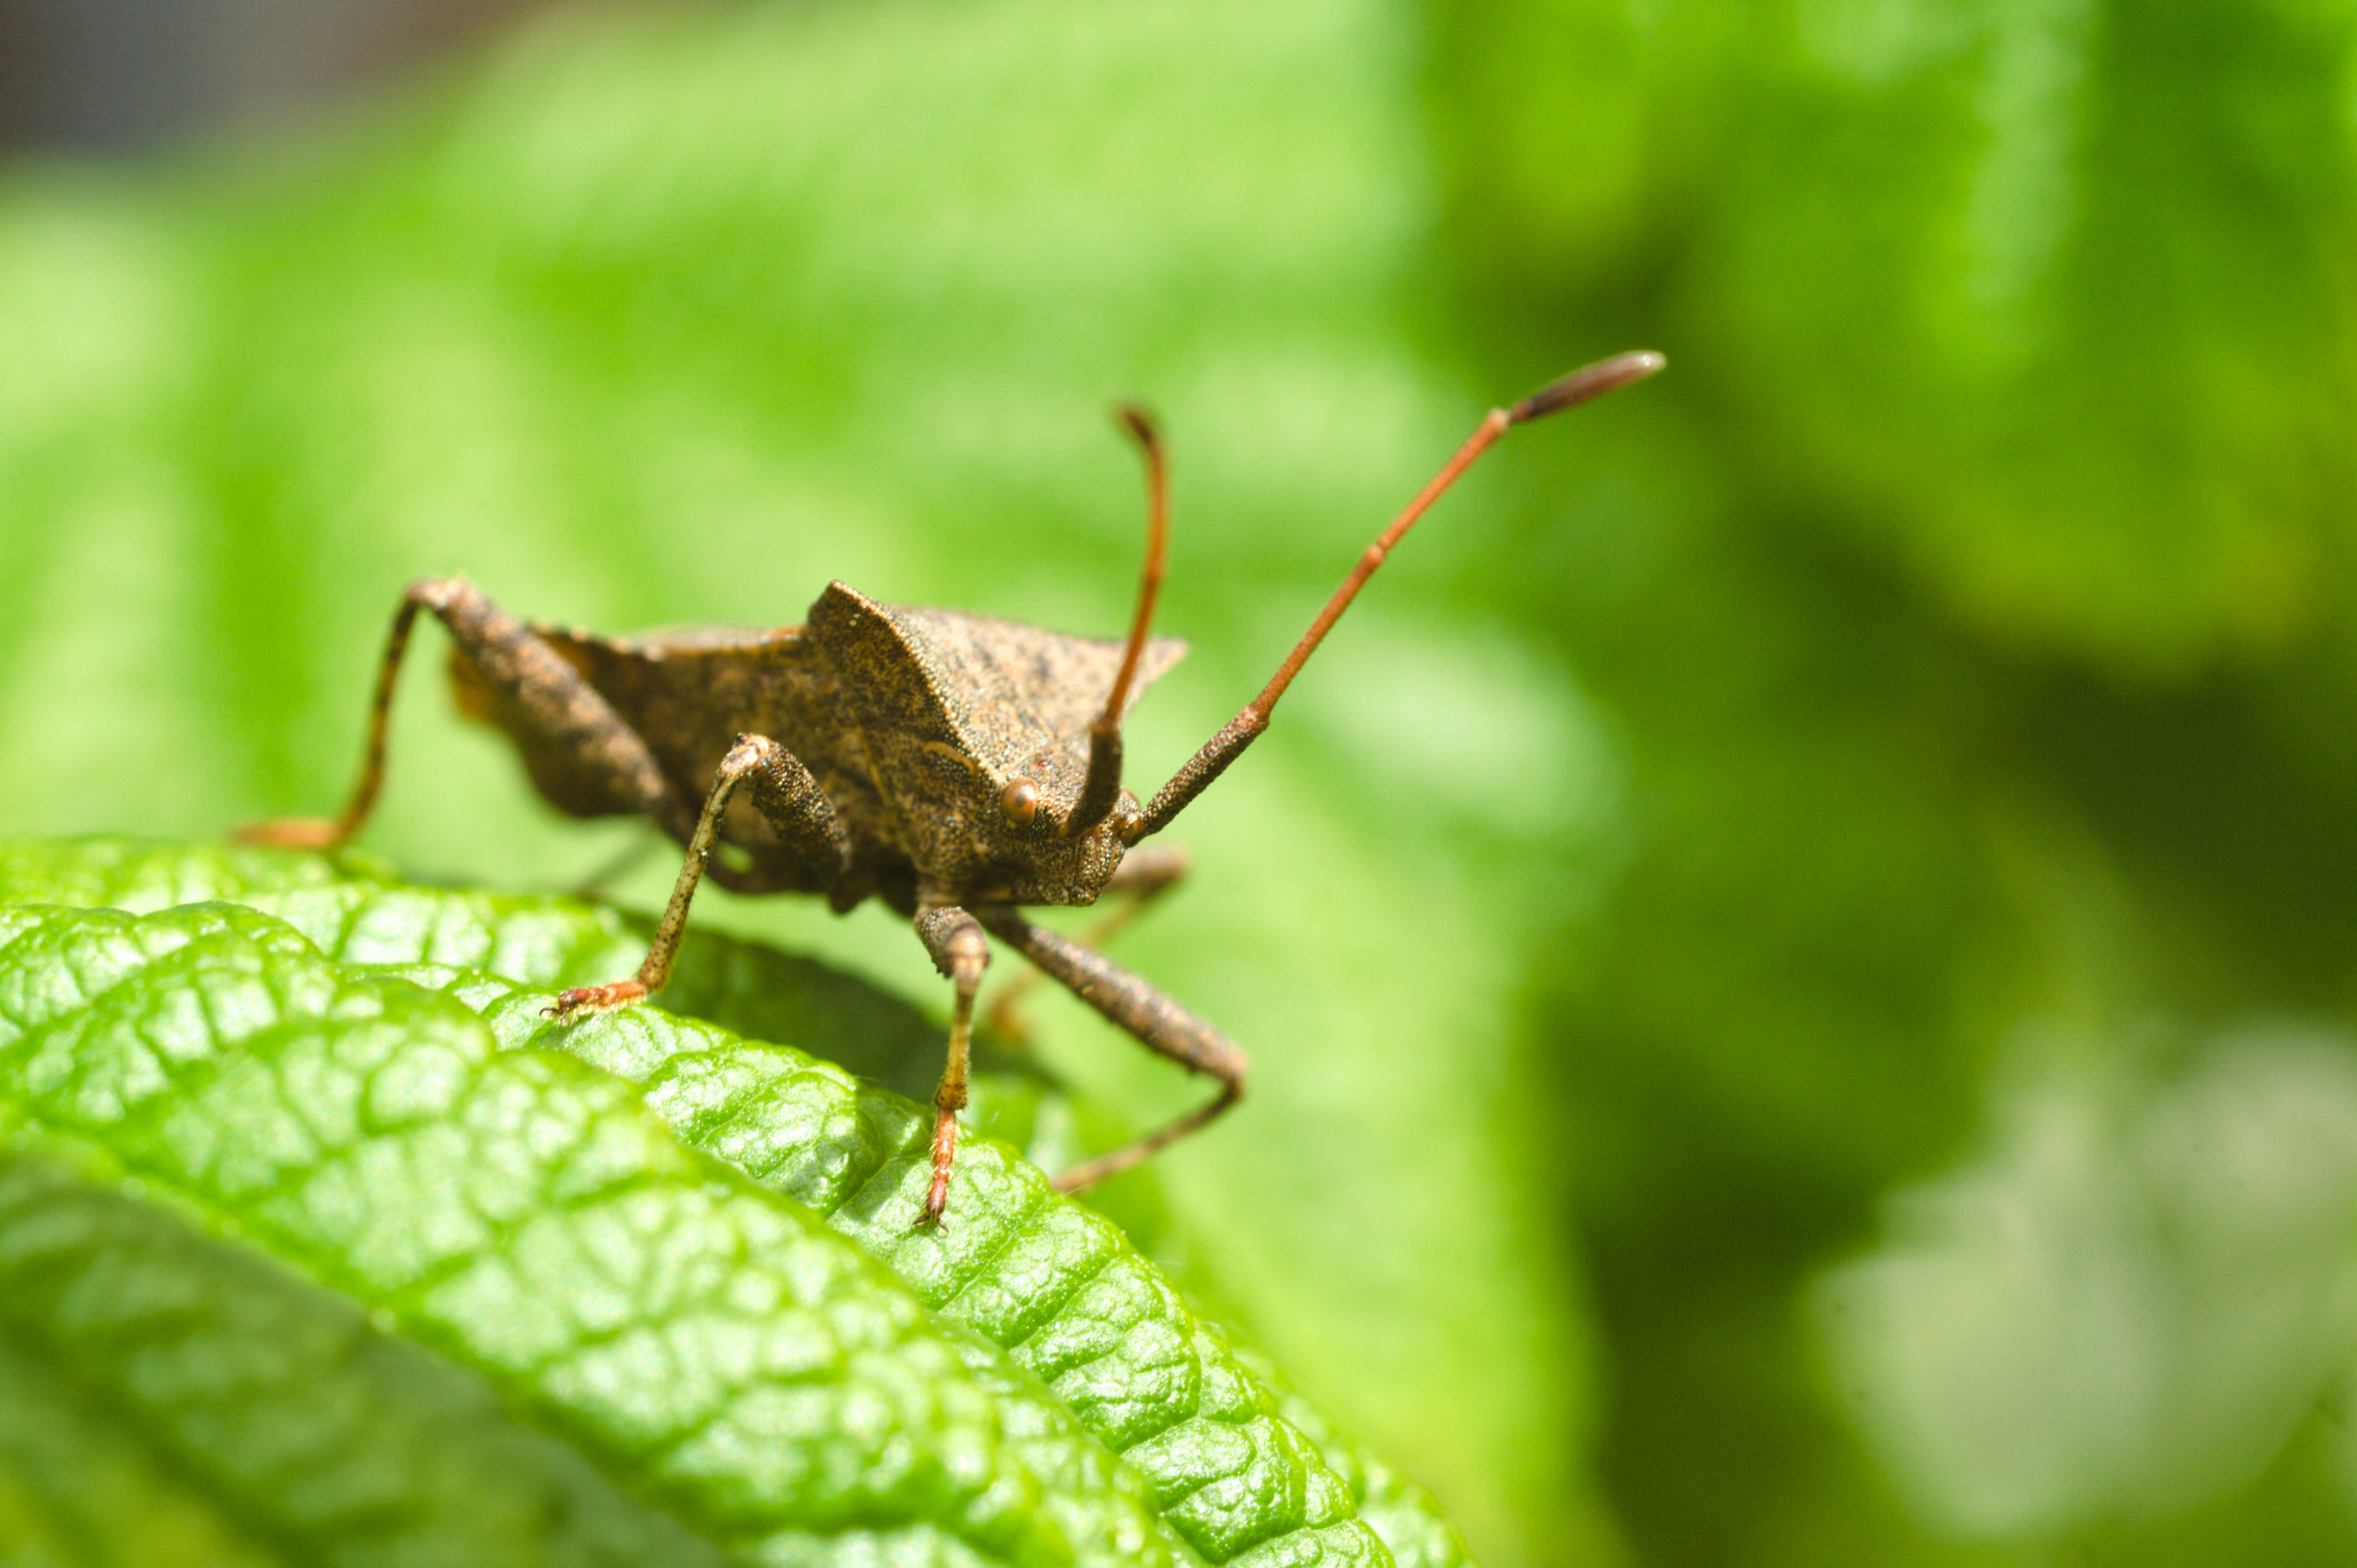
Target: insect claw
{"points": [[594, 999], [937, 1196]]}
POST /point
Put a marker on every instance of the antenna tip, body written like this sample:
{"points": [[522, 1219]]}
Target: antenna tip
{"points": [[1587, 382], [1137, 423]]}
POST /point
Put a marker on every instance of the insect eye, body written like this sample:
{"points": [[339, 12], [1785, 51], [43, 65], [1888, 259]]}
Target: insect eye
{"points": [[1020, 801]]}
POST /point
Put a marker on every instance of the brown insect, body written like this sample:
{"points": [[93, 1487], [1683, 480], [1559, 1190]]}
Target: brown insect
{"points": [[956, 766]]}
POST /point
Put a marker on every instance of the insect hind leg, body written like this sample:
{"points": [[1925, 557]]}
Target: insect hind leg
{"points": [[544, 704]]}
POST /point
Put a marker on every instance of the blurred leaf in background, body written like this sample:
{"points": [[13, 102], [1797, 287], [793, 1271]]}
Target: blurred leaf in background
{"points": [[1972, 608], [2129, 1303]]}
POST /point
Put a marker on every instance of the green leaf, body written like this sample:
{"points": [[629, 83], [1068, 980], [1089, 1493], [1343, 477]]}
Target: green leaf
{"points": [[167, 1397], [1407, 1517], [1053, 1283], [713, 1351], [1101, 1355]]}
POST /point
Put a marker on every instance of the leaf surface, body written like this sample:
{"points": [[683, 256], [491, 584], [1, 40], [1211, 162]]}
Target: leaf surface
{"points": [[1080, 1347], [712, 1349]]}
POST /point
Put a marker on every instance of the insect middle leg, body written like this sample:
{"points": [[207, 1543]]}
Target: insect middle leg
{"points": [[1144, 876], [1158, 1023], [961, 953], [790, 797]]}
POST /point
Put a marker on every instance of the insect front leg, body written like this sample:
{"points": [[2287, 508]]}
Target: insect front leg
{"points": [[552, 712], [1145, 874], [1158, 1023], [786, 794], [961, 953]]}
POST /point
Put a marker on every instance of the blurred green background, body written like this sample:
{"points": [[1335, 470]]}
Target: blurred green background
{"points": [[1797, 946]]}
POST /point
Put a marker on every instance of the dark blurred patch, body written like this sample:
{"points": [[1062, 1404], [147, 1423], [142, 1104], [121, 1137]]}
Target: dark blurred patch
{"points": [[114, 75]]}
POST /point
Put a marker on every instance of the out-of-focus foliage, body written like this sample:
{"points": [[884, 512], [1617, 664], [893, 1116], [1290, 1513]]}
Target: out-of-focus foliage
{"points": [[1973, 604], [1849, 850], [2128, 1304], [2048, 302]]}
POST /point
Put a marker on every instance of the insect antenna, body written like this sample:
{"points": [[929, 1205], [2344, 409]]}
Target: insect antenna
{"points": [[1102, 786], [1196, 774]]}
